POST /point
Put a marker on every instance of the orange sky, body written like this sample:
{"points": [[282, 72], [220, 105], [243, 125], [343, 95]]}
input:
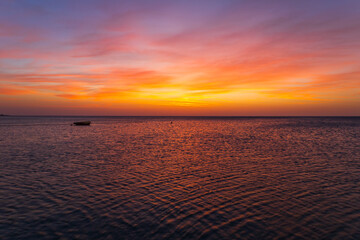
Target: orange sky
{"points": [[205, 58]]}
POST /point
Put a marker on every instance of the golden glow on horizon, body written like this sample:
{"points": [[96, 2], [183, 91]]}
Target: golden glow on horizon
{"points": [[154, 90], [143, 63]]}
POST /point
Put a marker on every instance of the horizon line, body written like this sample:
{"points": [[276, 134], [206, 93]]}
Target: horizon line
{"points": [[205, 116]]}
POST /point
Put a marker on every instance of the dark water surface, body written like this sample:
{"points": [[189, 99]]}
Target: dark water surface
{"points": [[197, 178]]}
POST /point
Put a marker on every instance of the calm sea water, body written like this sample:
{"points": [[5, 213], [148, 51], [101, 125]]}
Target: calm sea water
{"points": [[194, 178]]}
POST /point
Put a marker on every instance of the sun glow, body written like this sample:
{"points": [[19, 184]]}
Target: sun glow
{"points": [[128, 60]]}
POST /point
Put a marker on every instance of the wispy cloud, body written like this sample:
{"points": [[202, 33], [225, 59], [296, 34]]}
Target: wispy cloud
{"points": [[182, 53]]}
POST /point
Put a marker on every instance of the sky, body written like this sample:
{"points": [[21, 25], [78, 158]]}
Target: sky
{"points": [[210, 58]]}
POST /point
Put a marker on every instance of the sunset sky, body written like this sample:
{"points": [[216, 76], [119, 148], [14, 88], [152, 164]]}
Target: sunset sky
{"points": [[236, 58]]}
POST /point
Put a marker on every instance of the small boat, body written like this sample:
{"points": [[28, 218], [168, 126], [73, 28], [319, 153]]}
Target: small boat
{"points": [[83, 123]]}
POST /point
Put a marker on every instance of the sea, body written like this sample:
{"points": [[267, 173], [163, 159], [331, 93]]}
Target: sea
{"points": [[180, 178]]}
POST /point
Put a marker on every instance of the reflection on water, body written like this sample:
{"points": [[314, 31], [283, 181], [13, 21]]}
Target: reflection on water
{"points": [[197, 178]]}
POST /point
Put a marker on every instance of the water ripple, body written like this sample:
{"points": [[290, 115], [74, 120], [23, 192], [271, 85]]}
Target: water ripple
{"points": [[198, 178]]}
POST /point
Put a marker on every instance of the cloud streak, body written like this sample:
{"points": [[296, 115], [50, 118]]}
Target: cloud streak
{"points": [[195, 55]]}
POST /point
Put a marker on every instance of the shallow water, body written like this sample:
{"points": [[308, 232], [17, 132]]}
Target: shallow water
{"points": [[197, 178]]}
